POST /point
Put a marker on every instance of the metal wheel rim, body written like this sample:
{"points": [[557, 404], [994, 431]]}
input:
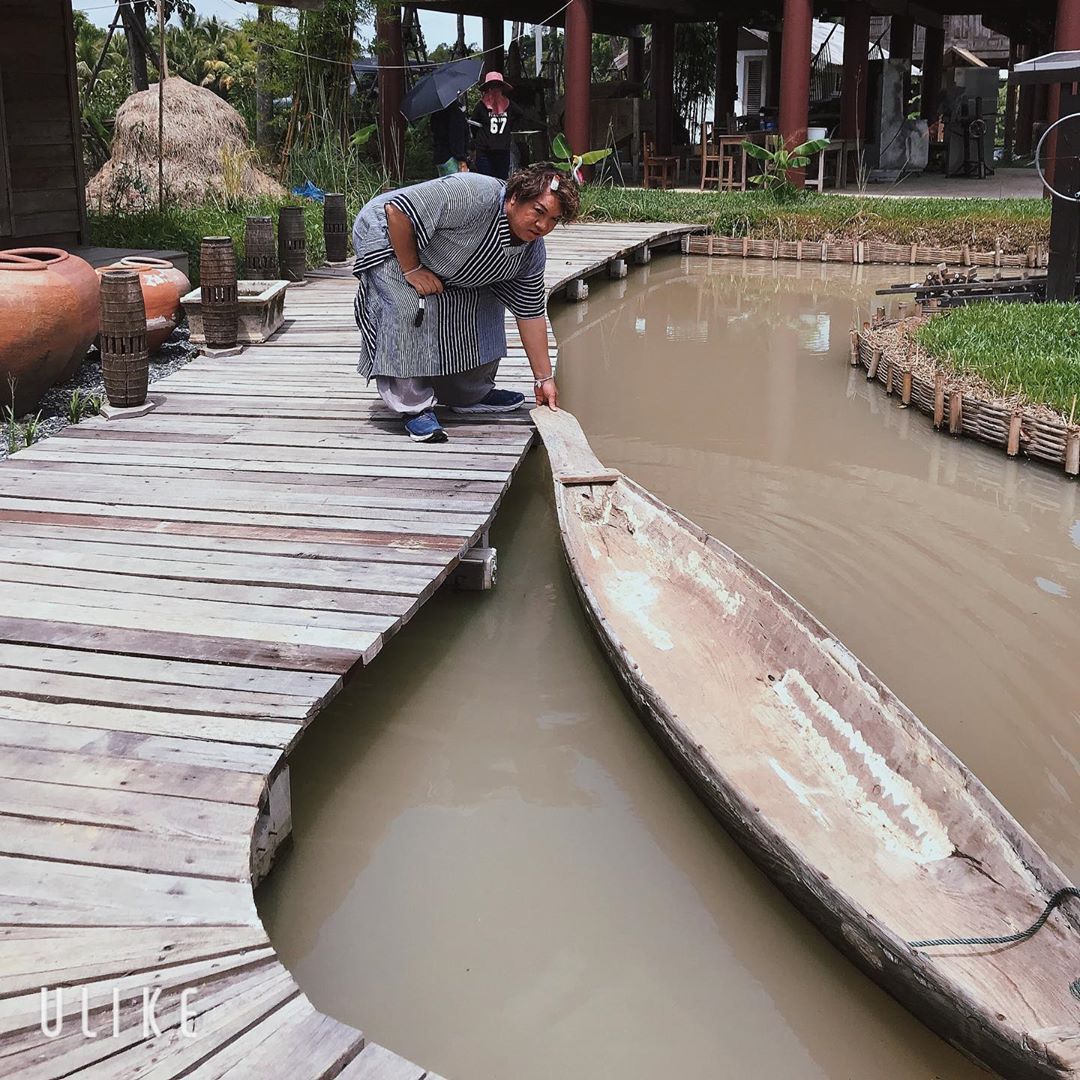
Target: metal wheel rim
{"points": [[1038, 150]]}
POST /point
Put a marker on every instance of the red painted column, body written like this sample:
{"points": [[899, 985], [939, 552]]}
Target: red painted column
{"points": [[663, 80], [727, 55], [795, 76], [494, 51], [578, 74], [1066, 38], [853, 80], [635, 60], [932, 64], [391, 90]]}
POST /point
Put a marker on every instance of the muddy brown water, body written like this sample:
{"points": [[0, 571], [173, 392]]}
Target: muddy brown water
{"points": [[495, 871]]}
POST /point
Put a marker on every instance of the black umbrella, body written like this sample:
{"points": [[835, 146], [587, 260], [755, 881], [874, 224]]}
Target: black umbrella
{"points": [[434, 92]]}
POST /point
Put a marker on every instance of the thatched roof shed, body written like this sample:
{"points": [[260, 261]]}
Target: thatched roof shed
{"points": [[205, 150]]}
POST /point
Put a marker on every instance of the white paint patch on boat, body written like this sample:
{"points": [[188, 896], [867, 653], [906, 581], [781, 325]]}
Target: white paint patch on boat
{"points": [[698, 568], [635, 594], [927, 840], [843, 656], [801, 792]]}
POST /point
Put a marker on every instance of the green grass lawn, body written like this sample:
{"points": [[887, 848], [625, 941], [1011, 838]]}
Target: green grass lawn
{"points": [[812, 216], [1033, 346]]}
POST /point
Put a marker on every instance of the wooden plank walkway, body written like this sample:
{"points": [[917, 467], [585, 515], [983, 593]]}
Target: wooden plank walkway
{"points": [[182, 594]]}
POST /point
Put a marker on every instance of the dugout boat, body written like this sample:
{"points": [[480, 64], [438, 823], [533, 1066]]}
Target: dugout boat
{"points": [[872, 827]]}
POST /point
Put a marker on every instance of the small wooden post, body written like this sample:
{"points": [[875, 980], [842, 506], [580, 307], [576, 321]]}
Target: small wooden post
{"points": [[879, 314], [1072, 453], [905, 391], [125, 365], [260, 256], [643, 255], [477, 571], [577, 290], [956, 412], [219, 295], [939, 399], [335, 229], [745, 247], [617, 269], [965, 255], [854, 347], [890, 367], [292, 243], [875, 359], [1013, 447]]}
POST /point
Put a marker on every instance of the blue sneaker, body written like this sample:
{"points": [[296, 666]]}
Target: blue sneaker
{"points": [[425, 428], [493, 401]]}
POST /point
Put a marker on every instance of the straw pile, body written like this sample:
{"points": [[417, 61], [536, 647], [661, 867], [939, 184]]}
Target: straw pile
{"points": [[205, 150]]}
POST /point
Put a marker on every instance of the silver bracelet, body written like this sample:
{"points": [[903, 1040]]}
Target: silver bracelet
{"points": [[540, 382], [418, 266]]}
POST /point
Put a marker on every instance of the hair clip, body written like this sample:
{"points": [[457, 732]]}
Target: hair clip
{"points": [[554, 186]]}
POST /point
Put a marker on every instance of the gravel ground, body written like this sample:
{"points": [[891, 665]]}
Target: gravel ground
{"points": [[53, 407]]}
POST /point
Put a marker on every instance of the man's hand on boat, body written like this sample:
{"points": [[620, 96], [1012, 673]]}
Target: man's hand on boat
{"points": [[424, 281]]}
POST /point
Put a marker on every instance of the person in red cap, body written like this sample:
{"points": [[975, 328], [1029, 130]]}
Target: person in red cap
{"points": [[493, 123]]}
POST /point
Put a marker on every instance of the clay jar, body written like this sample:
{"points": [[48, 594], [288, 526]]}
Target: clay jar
{"points": [[48, 319], [162, 286]]}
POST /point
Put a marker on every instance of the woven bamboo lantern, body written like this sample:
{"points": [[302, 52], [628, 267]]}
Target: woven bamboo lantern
{"points": [[260, 249], [335, 229], [217, 278], [292, 243], [125, 363]]}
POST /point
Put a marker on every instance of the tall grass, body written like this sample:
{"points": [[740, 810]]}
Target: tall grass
{"points": [[1035, 347], [1017, 223]]}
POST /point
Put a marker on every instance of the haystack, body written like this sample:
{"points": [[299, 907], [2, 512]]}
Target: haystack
{"points": [[205, 150]]}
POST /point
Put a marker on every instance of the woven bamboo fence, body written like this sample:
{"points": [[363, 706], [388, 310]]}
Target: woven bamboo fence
{"points": [[1015, 428], [863, 251]]}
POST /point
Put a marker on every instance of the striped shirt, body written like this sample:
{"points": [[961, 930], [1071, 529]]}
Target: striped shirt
{"points": [[463, 236]]}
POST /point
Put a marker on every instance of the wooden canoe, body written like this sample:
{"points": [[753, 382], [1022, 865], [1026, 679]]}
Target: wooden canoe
{"points": [[868, 822]]}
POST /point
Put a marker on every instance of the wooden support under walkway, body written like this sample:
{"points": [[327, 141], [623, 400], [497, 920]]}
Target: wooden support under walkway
{"points": [[182, 593]]}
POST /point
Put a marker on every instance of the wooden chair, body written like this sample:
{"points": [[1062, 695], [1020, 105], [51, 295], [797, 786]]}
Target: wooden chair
{"points": [[716, 166], [661, 168]]}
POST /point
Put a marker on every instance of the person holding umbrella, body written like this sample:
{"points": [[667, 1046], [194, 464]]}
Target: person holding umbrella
{"points": [[440, 95], [438, 266], [494, 121], [450, 139]]}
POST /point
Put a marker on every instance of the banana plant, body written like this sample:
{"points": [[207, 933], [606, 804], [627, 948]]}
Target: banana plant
{"points": [[777, 160], [572, 163]]}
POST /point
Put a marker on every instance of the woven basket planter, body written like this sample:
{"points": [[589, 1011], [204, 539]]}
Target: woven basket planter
{"points": [[220, 304], [125, 358], [260, 249], [292, 243], [335, 229]]}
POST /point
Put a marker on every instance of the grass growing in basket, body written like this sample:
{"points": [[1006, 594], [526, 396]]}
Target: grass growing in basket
{"points": [[1036, 346]]}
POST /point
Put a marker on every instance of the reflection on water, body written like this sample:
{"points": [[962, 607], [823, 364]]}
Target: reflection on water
{"points": [[495, 871]]}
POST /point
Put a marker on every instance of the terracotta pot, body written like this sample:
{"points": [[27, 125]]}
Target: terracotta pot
{"points": [[48, 319], [162, 286]]}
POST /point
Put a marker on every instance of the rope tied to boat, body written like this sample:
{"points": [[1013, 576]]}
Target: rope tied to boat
{"points": [[1069, 892], [1008, 939]]}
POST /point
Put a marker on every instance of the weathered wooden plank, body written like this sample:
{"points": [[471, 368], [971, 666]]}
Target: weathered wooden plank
{"points": [[96, 770], [38, 893], [313, 688], [177, 645], [375, 1062], [34, 956]]}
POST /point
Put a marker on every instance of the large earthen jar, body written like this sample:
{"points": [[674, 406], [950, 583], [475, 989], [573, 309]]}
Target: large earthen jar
{"points": [[48, 319], [162, 286]]}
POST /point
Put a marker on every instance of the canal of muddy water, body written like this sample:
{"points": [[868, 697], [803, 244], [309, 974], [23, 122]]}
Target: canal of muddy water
{"points": [[496, 873]]}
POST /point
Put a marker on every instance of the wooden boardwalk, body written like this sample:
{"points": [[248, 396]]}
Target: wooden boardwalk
{"points": [[182, 594]]}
